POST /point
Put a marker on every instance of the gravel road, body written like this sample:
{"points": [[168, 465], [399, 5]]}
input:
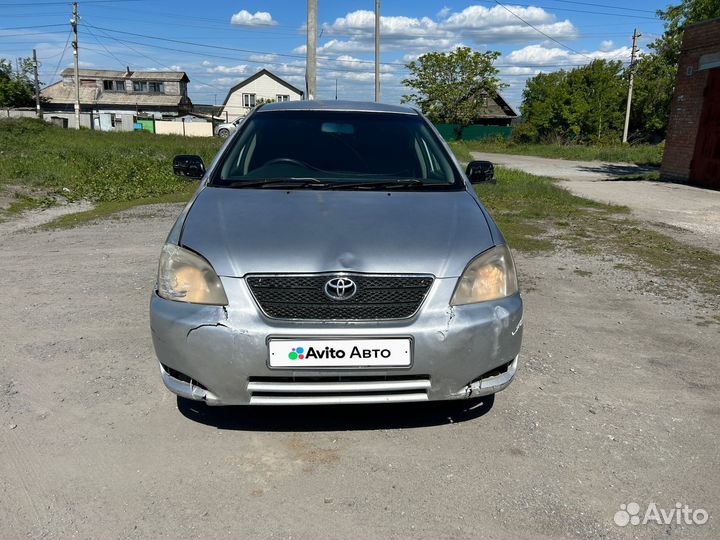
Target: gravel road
{"points": [[693, 213], [617, 401]]}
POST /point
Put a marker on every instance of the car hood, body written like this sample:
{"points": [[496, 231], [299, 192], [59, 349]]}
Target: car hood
{"points": [[247, 231]]}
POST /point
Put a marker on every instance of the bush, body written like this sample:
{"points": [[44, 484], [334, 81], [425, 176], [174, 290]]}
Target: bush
{"points": [[524, 133]]}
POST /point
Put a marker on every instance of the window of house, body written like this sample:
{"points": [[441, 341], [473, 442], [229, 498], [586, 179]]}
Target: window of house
{"points": [[140, 86], [155, 86], [108, 85], [120, 86], [282, 97], [249, 100]]}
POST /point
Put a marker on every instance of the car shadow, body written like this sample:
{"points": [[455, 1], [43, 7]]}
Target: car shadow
{"points": [[303, 418]]}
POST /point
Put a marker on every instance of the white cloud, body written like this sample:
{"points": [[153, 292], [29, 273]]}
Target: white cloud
{"points": [[606, 45], [555, 57], [259, 18], [263, 57], [240, 69], [354, 33], [443, 13], [221, 81]]}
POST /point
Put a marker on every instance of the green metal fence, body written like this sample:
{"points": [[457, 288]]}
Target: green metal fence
{"points": [[453, 132], [148, 125]]}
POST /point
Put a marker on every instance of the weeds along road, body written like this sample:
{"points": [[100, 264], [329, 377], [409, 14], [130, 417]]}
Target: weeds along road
{"points": [[617, 401], [688, 213]]}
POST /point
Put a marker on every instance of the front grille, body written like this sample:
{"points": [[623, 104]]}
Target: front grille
{"points": [[303, 297], [337, 390]]}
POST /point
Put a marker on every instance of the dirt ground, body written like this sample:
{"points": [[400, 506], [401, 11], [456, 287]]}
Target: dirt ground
{"points": [[692, 213], [617, 401]]}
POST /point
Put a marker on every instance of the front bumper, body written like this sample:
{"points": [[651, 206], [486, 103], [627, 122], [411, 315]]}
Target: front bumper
{"points": [[219, 355]]}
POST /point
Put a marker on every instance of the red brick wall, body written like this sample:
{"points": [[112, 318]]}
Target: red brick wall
{"points": [[699, 39]]}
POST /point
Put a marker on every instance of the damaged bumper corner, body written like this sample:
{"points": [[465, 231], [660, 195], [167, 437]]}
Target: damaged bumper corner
{"points": [[186, 389], [493, 383]]}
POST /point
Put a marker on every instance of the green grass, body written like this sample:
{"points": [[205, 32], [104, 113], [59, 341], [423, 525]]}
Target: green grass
{"points": [[23, 203], [641, 154], [538, 216], [528, 208], [107, 208], [91, 165]]}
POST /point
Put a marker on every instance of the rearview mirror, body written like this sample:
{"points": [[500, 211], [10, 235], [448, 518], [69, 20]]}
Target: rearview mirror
{"points": [[479, 172], [189, 166]]}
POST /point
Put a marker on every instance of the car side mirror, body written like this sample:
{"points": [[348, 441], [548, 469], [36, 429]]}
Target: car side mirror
{"points": [[189, 166], [479, 172]]}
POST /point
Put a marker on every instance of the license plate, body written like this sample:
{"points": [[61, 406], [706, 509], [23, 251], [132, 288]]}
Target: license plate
{"points": [[321, 353]]}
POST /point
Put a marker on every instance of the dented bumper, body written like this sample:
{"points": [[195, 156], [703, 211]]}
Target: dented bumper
{"points": [[219, 354]]}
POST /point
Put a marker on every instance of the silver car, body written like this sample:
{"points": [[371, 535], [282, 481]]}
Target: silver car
{"points": [[226, 128], [335, 252]]}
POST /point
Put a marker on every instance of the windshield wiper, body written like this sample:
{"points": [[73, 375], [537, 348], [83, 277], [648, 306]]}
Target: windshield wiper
{"points": [[384, 184], [277, 182]]}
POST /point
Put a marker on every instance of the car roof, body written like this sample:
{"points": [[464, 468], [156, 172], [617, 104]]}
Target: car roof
{"points": [[337, 105]]}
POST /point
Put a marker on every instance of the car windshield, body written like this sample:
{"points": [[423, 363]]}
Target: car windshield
{"points": [[331, 149]]}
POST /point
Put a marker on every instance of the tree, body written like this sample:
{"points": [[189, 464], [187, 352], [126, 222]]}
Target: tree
{"points": [[585, 103], [16, 88], [453, 87]]}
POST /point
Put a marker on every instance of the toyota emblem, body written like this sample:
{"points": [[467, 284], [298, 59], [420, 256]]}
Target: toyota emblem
{"points": [[340, 288]]}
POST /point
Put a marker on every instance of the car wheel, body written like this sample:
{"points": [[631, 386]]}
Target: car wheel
{"points": [[223, 133]]}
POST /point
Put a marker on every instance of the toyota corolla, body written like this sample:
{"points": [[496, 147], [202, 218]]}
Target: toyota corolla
{"points": [[335, 252]]}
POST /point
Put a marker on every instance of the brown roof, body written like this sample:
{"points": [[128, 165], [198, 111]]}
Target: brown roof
{"points": [[132, 75], [497, 107], [60, 93]]}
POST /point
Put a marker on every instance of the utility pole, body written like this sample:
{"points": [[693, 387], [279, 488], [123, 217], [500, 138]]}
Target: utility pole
{"points": [[630, 85], [377, 51], [37, 85], [311, 62], [74, 24]]}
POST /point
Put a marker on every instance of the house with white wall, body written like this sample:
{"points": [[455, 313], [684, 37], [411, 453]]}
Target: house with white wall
{"points": [[114, 100], [263, 85]]}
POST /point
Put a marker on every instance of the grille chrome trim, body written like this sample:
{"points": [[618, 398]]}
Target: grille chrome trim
{"points": [[402, 294], [330, 387], [335, 390], [337, 400]]}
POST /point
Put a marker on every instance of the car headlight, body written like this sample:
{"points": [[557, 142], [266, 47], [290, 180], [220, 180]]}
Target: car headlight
{"points": [[185, 276], [489, 276]]}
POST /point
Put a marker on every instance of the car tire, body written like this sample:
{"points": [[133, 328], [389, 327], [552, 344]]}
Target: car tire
{"points": [[223, 133]]}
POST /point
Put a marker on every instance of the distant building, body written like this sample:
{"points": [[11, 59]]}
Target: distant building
{"points": [[114, 100], [692, 146], [264, 86], [496, 112]]}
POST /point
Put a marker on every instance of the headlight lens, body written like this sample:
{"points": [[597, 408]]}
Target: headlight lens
{"points": [[489, 276], [185, 276]]}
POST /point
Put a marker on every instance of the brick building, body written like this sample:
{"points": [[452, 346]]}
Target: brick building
{"points": [[692, 146]]}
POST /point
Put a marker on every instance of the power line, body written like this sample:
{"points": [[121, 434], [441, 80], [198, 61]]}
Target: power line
{"points": [[103, 46], [540, 31], [555, 8], [233, 58], [31, 27], [62, 55], [150, 58], [65, 3], [603, 5], [31, 37]]}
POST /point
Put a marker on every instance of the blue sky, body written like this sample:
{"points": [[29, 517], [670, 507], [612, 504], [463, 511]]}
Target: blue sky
{"points": [[218, 42]]}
